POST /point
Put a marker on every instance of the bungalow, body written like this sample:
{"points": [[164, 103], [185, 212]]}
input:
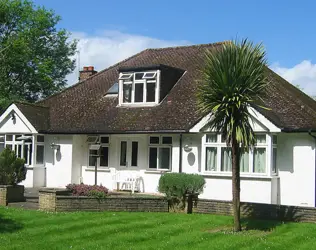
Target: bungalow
{"points": [[141, 115]]}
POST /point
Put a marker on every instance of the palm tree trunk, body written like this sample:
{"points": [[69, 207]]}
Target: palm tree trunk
{"points": [[236, 184]]}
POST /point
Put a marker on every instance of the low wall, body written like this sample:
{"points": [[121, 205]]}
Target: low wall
{"points": [[258, 210], [9, 193], [56, 201]]}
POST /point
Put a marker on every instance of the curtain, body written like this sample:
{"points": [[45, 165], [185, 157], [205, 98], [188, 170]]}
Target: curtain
{"points": [[259, 160], [211, 159], [244, 162], [226, 162]]}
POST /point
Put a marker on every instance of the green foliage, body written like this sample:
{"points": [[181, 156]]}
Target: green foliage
{"points": [[177, 185], [35, 56], [12, 169], [233, 80], [97, 194]]}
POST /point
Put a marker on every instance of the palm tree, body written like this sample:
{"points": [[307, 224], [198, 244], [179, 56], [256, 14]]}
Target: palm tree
{"points": [[233, 80]]}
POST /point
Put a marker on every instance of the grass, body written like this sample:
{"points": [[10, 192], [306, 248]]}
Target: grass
{"points": [[24, 229]]}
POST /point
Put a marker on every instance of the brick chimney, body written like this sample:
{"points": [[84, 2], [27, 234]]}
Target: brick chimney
{"points": [[86, 72]]}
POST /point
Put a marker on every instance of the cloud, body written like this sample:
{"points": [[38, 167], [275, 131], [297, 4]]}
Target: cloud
{"points": [[302, 74], [109, 47]]}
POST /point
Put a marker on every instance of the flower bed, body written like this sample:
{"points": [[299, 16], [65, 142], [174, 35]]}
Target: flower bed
{"points": [[88, 190]]}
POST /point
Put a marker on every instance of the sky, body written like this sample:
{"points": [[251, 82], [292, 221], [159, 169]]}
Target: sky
{"points": [[110, 31]]}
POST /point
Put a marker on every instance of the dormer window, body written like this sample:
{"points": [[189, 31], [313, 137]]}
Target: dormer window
{"points": [[139, 88]]}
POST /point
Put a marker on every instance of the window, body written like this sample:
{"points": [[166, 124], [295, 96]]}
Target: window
{"points": [[218, 157], [98, 151], [160, 152], [40, 150], [1, 143], [139, 88], [21, 144], [274, 154], [134, 153]]}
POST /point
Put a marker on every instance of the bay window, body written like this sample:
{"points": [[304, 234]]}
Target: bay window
{"points": [[22, 144], [160, 152], [218, 157], [139, 88]]}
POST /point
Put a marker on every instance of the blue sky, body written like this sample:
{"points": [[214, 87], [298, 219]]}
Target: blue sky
{"points": [[286, 28]]}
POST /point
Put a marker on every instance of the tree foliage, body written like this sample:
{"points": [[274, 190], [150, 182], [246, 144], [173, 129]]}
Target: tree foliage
{"points": [[234, 79], [35, 56], [12, 168]]}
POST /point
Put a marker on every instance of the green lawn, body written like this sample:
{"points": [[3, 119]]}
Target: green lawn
{"points": [[21, 229]]}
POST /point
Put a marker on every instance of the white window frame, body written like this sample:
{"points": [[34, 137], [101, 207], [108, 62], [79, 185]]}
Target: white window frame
{"points": [[133, 81], [158, 146], [219, 145], [99, 144]]}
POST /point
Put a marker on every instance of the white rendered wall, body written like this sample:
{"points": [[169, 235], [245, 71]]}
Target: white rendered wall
{"points": [[58, 164], [296, 165]]}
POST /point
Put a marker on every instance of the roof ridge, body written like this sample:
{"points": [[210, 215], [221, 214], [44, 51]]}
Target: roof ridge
{"points": [[98, 73], [192, 45]]}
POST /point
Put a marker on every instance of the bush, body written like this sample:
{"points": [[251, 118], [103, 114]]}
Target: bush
{"points": [[87, 190], [176, 187], [12, 168]]}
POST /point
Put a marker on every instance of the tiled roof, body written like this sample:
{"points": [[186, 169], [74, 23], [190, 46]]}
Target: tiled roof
{"points": [[83, 108]]}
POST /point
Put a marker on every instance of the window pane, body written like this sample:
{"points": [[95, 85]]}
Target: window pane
{"points": [[274, 139], [18, 150], [134, 153], [151, 92], [40, 154], [226, 161], [9, 137], [139, 92], [40, 138], [211, 138], [167, 140], [26, 153], [9, 146], [1, 138], [30, 153], [105, 140], [274, 169], [244, 162], [127, 93], [139, 76], [211, 159], [123, 153], [154, 140], [153, 157], [164, 158], [260, 138], [92, 161], [104, 157], [259, 160], [149, 75], [1, 147]]}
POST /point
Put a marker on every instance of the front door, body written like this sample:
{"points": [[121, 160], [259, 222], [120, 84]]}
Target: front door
{"points": [[129, 153]]}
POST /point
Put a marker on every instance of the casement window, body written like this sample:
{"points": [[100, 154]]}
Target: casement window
{"points": [[139, 88], [160, 152], [274, 154], [98, 151], [218, 157], [21, 144], [40, 149]]}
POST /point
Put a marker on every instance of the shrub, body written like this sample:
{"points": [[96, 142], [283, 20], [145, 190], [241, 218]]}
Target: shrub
{"points": [[87, 190], [176, 187], [12, 168]]}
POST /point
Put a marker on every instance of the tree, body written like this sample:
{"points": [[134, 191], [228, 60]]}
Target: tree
{"points": [[233, 80], [35, 56]]}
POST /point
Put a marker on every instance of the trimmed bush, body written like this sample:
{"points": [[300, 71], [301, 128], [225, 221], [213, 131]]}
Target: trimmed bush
{"points": [[87, 190], [177, 186], [12, 168]]}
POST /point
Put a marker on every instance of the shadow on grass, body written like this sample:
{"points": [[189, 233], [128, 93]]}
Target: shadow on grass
{"points": [[9, 225], [266, 217]]}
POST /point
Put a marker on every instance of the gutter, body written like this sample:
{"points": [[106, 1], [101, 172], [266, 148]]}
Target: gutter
{"points": [[310, 133]]}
